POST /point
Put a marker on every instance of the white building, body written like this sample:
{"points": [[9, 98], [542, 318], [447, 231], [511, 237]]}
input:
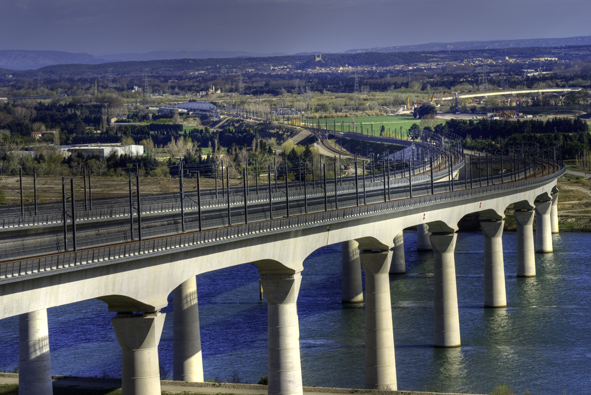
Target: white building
{"points": [[193, 107], [103, 150]]}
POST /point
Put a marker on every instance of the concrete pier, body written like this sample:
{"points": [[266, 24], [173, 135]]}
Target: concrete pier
{"points": [[351, 283], [285, 369], [447, 318], [423, 241], [187, 360], [554, 213], [526, 259], [543, 227], [34, 360], [138, 336], [398, 265], [494, 268], [380, 361]]}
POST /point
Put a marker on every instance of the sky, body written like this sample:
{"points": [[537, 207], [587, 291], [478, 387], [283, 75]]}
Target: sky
{"points": [[278, 26]]}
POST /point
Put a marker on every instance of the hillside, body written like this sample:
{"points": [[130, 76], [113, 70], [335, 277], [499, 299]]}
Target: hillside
{"points": [[304, 63], [30, 60], [33, 60], [478, 45]]}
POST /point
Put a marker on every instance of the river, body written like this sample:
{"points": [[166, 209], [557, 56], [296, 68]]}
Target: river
{"points": [[541, 342]]}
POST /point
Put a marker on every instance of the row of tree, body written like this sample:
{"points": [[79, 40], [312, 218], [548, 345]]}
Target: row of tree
{"points": [[569, 135]]}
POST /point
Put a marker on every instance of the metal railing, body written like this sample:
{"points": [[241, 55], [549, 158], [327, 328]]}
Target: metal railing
{"points": [[119, 208], [110, 254], [235, 210]]}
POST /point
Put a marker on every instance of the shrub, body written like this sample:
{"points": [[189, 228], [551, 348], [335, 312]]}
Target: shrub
{"points": [[264, 380], [503, 389]]}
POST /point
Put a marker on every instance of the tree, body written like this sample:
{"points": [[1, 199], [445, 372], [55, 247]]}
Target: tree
{"points": [[148, 145], [491, 102], [428, 123], [181, 147], [172, 148], [323, 107], [426, 111], [414, 131], [175, 116], [307, 154], [126, 140]]}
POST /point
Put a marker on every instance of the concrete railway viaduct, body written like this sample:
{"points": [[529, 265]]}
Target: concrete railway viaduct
{"points": [[135, 278]]}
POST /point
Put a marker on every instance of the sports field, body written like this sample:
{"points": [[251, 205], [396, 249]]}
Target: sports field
{"points": [[394, 126]]}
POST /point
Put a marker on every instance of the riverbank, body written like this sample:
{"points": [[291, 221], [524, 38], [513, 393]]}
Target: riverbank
{"points": [[574, 203], [65, 385]]}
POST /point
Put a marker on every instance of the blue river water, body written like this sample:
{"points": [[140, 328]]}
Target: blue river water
{"points": [[541, 342]]}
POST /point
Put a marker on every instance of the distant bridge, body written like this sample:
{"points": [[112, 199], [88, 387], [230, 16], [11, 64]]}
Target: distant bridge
{"points": [[504, 93]]}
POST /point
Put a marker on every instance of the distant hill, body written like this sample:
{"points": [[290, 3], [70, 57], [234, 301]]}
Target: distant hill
{"points": [[373, 59], [471, 45], [31, 60], [169, 55]]}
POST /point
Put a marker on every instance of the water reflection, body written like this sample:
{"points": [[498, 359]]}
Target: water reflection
{"points": [[498, 323], [450, 367], [529, 289]]}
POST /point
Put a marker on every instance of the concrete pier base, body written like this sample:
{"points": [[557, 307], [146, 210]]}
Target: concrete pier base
{"points": [[138, 336], [554, 213], [351, 283], [34, 360], [380, 361], [187, 360], [494, 268], [447, 318], [423, 241], [285, 370], [543, 227], [526, 259], [398, 265]]}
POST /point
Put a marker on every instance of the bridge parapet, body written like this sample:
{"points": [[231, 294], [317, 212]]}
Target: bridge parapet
{"points": [[14, 270]]}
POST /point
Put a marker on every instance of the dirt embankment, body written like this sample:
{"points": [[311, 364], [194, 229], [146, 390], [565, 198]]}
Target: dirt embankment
{"points": [[574, 204], [49, 189]]}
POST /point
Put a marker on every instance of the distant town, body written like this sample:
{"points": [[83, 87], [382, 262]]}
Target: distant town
{"points": [[115, 118]]}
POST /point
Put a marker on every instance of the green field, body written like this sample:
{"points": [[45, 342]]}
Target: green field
{"points": [[188, 129], [395, 126]]}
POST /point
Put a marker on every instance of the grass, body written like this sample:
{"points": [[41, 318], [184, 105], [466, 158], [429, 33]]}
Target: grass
{"points": [[572, 177], [207, 150], [574, 205], [392, 119], [187, 129], [49, 189], [570, 189], [510, 223], [576, 165], [503, 389], [396, 126], [8, 389]]}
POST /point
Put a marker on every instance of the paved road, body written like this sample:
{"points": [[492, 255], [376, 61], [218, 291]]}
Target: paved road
{"points": [[578, 173]]}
